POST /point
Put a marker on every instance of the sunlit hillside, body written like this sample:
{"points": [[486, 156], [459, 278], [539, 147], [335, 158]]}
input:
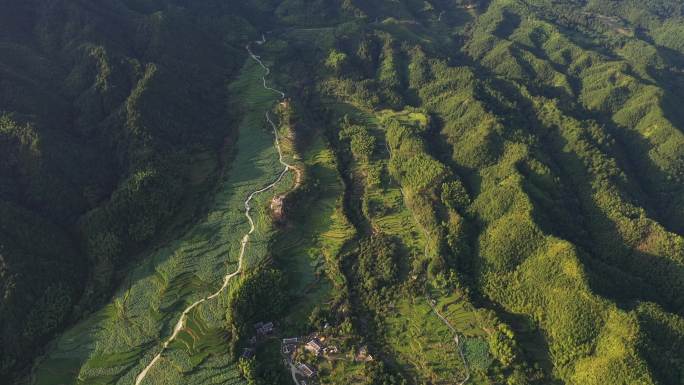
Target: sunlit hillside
{"points": [[372, 192]]}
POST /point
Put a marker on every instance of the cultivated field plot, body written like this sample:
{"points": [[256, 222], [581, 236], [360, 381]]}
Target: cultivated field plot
{"points": [[383, 203], [386, 203], [342, 371], [115, 343], [461, 315], [424, 345], [315, 234]]}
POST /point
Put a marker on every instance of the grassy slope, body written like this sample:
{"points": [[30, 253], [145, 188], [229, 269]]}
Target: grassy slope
{"points": [[113, 344]]}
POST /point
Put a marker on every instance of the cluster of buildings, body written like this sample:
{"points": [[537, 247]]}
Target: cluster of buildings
{"points": [[262, 330], [313, 345], [289, 346]]}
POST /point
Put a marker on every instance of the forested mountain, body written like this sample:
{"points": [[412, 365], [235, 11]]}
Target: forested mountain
{"points": [[104, 107], [508, 173]]}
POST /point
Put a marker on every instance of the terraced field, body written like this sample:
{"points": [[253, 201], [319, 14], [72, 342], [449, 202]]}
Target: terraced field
{"points": [[424, 345], [461, 315], [383, 203], [315, 235], [431, 352], [113, 344]]}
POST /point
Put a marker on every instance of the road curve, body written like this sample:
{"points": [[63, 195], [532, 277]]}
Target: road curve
{"points": [[245, 239]]}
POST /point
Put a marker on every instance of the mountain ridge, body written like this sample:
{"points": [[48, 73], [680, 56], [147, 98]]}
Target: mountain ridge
{"points": [[521, 162]]}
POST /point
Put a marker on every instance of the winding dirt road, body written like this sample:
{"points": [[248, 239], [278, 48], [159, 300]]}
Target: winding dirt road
{"points": [[245, 239]]}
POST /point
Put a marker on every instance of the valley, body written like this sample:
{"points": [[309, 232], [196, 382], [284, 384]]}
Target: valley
{"points": [[185, 272], [335, 192]]}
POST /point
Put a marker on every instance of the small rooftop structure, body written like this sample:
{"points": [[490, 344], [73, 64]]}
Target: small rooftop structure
{"points": [[248, 353], [364, 355], [290, 341]]}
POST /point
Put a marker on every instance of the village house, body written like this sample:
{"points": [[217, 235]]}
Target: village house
{"points": [[306, 370], [314, 346]]}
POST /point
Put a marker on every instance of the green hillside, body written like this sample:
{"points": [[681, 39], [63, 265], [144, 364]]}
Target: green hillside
{"points": [[477, 192]]}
